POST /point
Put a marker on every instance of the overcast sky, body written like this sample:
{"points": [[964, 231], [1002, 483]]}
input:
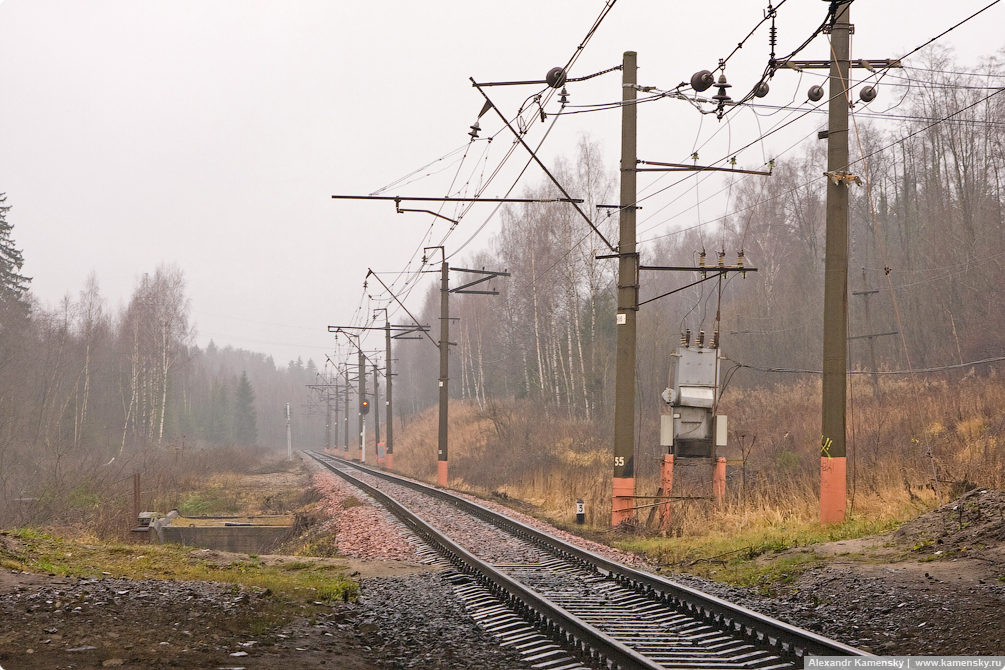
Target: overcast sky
{"points": [[211, 134]]}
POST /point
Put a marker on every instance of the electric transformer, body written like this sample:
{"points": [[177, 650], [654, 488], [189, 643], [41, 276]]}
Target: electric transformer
{"points": [[691, 430]]}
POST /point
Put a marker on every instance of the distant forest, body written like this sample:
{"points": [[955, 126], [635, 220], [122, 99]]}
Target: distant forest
{"points": [[82, 386]]}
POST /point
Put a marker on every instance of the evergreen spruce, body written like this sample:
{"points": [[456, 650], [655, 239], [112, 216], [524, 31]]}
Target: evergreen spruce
{"points": [[245, 420], [13, 285]]}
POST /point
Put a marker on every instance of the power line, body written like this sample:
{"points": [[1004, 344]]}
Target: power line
{"points": [[937, 121], [928, 127], [942, 368], [763, 136], [819, 106], [950, 29]]}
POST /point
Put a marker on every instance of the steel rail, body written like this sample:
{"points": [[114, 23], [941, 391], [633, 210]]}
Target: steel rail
{"points": [[550, 617], [785, 639]]}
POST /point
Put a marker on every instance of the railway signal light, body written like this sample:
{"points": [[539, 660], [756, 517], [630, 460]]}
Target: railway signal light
{"points": [[364, 406]]}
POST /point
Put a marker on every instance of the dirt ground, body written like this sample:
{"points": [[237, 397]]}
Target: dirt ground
{"points": [[935, 586], [49, 621]]}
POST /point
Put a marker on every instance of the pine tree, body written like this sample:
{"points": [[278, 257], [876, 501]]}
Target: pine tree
{"points": [[245, 420], [218, 431], [13, 285]]}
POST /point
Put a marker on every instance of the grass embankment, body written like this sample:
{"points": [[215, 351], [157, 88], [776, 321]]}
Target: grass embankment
{"points": [[754, 557], [264, 488], [269, 487], [302, 581]]}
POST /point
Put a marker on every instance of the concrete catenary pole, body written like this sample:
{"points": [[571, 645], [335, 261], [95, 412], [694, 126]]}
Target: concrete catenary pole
{"points": [[628, 300], [376, 412], [346, 427], [441, 462], [835, 364], [328, 419], [362, 395], [335, 422], [389, 416]]}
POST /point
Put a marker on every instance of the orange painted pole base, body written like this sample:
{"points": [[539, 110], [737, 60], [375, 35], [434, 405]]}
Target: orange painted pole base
{"points": [[833, 488], [666, 485], [624, 500], [390, 462], [719, 479], [441, 473]]}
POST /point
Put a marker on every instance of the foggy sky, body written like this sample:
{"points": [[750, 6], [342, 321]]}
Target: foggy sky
{"points": [[211, 134]]}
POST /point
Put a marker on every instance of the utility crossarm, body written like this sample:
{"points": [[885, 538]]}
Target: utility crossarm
{"points": [[344, 330], [871, 64], [684, 167], [715, 269], [403, 198], [408, 328], [490, 274], [710, 269], [708, 273], [866, 337]]}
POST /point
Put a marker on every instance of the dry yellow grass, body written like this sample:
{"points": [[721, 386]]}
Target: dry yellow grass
{"points": [[907, 446]]}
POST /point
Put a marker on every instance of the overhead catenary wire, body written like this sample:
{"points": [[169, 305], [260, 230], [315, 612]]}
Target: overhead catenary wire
{"points": [[536, 98], [606, 10], [826, 101], [404, 178], [547, 171], [592, 31], [936, 122], [951, 28], [802, 185], [608, 6], [510, 190], [945, 119], [719, 219], [940, 120], [833, 11]]}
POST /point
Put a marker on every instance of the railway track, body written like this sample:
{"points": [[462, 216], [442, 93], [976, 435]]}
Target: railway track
{"points": [[563, 607]]}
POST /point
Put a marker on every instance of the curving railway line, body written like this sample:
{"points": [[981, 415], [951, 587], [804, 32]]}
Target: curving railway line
{"points": [[564, 608]]}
